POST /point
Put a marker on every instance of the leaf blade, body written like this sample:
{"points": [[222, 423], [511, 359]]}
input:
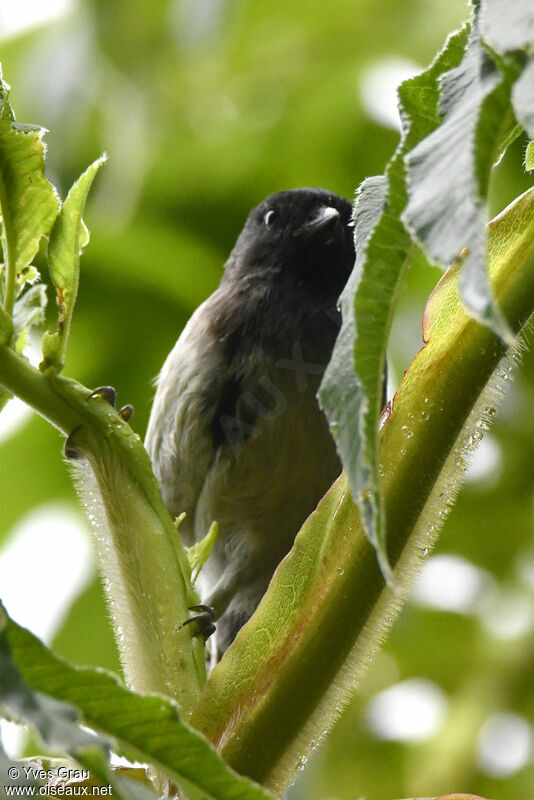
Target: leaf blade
{"points": [[145, 727], [447, 174], [67, 239], [383, 247], [28, 201]]}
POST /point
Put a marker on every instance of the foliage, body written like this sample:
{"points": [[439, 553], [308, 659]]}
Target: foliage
{"points": [[377, 285], [144, 728]]}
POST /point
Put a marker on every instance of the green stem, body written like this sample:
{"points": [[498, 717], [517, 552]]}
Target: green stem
{"points": [[146, 572], [18, 377]]}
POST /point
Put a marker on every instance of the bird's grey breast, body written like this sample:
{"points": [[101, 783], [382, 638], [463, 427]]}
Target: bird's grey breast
{"points": [[236, 436]]}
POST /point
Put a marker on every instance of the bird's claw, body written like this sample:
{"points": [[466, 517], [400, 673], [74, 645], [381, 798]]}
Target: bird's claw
{"points": [[204, 619], [69, 448], [107, 392], [110, 395], [126, 412]]}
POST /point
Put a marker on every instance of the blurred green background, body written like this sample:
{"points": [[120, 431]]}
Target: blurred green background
{"points": [[205, 107]]}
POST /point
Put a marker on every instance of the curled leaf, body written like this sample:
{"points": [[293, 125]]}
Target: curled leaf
{"points": [[67, 240]]}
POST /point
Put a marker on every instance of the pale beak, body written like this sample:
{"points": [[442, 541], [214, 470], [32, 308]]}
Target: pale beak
{"points": [[325, 218]]}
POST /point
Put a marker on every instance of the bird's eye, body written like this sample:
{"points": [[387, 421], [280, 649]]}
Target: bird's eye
{"points": [[269, 218]]}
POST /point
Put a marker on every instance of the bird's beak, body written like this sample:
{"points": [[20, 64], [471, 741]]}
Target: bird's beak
{"points": [[325, 218]]}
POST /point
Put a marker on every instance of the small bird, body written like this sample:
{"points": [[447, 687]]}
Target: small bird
{"points": [[236, 434]]}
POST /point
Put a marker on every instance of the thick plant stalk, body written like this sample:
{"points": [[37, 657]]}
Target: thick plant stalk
{"points": [[146, 573], [294, 665]]}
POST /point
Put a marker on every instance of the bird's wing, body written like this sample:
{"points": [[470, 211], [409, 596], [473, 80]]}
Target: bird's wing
{"points": [[180, 438]]}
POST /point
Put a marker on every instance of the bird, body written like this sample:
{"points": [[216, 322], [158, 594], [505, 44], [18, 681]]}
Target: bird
{"points": [[236, 434]]}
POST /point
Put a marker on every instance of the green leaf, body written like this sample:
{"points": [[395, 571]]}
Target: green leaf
{"points": [[507, 32], [14, 773], [30, 306], [448, 173], [67, 240], [523, 98], [294, 665], [146, 728], [28, 201], [529, 157], [29, 311], [508, 26], [351, 391], [64, 777], [199, 553], [341, 392], [57, 722]]}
